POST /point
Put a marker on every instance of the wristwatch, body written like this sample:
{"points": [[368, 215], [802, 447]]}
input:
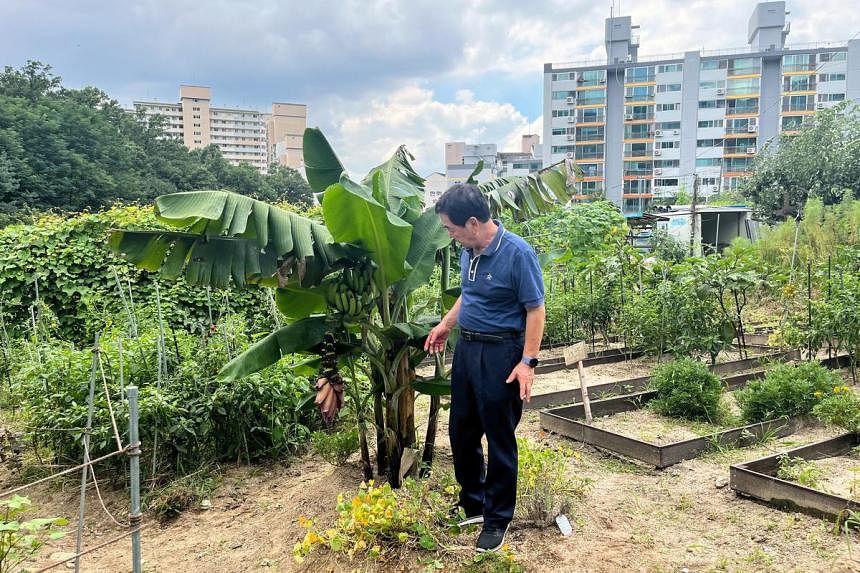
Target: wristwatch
{"points": [[530, 361]]}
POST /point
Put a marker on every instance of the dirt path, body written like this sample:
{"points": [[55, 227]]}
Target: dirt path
{"points": [[634, 519]]}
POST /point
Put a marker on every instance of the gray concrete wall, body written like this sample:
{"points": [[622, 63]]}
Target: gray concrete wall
{"points": [[852, 76], [689, 118], [770, 100], [614, 147]]}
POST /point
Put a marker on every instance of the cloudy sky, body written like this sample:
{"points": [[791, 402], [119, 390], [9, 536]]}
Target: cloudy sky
{"points": [[374, 73]]}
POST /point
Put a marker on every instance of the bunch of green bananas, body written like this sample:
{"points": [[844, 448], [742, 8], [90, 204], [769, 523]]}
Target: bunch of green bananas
{"points": [[353, 294]]}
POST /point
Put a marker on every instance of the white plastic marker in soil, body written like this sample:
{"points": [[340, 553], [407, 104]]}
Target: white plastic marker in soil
{"points": [[575, 355]]}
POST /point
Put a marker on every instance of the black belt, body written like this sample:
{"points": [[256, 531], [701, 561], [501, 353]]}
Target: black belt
{"points": [[473, 336]]}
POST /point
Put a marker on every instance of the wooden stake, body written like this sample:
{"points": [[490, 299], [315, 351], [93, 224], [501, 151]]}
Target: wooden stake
{"points": [[575, 355]]}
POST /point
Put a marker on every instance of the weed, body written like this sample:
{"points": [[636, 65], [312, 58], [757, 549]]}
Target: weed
{"points": [[502, 561], [182, 493], [21, 540], [335, 447], [805, 472], [841, 409], [786, 390], [687, 389], [544, 486]]}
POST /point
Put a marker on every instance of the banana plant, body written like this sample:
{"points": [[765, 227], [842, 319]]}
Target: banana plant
{"points": [[351, 277]]}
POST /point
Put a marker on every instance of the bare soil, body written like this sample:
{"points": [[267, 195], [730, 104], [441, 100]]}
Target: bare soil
{"points": [[634, 518]]}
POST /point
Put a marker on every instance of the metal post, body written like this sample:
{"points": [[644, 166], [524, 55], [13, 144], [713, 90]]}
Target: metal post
{"points": [[86, 470], [134, 517]]}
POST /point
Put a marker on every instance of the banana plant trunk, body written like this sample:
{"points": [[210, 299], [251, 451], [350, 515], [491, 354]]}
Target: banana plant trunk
{"points": [[400, 430]]}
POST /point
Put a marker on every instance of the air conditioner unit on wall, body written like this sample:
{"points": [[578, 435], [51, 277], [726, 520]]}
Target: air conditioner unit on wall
{"points": [[676, 132], [658, 152], [570, 138], [658, 172], [571, 119], [819, 105], [721, 91], [570, 99], [628, 116], [751, 129], [658, 133], [750, 150]]}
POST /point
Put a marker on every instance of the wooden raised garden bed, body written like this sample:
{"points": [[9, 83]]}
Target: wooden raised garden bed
{"points": [[569, 421], [757, 479]]}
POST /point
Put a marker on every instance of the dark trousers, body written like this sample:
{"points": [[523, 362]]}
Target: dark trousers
{"points": [[483, 404]]}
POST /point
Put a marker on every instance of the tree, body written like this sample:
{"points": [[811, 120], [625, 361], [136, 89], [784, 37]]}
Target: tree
{"points": [[822, 160], [343, 286], [288, 185]]}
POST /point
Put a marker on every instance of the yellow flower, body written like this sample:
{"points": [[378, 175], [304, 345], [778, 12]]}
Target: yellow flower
{"points": [[819, 394]]}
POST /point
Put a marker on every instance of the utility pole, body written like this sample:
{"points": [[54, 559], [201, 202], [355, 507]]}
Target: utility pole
{"points": [[693, 214]]}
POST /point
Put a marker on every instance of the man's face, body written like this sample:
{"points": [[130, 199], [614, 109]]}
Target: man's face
{"points": [[466, 235]]}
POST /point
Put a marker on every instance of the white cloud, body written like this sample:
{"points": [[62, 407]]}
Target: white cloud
{"points": [[366, 132]]}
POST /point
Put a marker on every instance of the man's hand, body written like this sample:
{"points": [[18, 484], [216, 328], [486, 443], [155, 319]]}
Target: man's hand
{"points": [[526, 376], [435, 342]]}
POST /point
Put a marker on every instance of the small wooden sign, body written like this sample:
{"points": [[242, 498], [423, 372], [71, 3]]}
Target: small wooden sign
{"points": [[576, 353]]}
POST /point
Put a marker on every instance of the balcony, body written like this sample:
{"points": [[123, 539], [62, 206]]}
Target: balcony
{"points": [[739, 149], [639, 116], [802, 67], [638, 97], [589, 155], [789, 107], [742, 129], [640, 79], [743, 71], [744, 110]]}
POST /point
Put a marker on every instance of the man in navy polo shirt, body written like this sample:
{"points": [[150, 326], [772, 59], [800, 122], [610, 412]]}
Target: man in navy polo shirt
{"points": [[501, 317]]}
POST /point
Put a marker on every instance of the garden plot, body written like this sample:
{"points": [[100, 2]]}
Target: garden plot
{"points": [[666, 443], [606, 380], [830, 475]]}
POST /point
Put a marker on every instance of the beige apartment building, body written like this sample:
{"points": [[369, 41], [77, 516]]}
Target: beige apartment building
{"points": [[242, 135]]}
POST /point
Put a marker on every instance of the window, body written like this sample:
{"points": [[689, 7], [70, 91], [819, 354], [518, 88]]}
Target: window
{"points": [[592, 97], [831, 97], [667, 163], [741, 66], [593, 115], [563, 94], [668, 106], [592, 78], [668, 125], [798, 83], [792, 122], [709, 143], [832, 56], [668, 144], [560, 112], [712, 103], [590, 151], [638, 150], [639, 93], [638, 131], [638, 167], [589, 133], [733, 164], [589, 187], [744, 86], [711, 123], [666, 68], [662, 88], [713, 64], [591, 169], [742, 106], [195, 116], [741, 125], [637, 186], [562, 76], [195, 108], [712, 84], [798, 103], [639, 112], [709, 181], [798, 62], [831, 77], [665, 183], [709, 162], [640, 74], [560, 131]]}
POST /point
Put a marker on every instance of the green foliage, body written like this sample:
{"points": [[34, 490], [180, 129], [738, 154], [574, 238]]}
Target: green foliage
{"points": [[21, 540], [805, 472], [379, 520], [687, 389], [502, 561], [584, 228], [545, 487], [76, 280], [840, 409], [667, 248], [823, 161], [73, 149], [192, 420], [335, 447], [786, 390]]}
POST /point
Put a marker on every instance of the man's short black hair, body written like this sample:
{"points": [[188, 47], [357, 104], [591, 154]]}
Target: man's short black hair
{"points": [[463, 201]]}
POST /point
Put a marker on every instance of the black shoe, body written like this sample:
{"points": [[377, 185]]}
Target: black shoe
{"points": [[461, 517], [491, 539]]}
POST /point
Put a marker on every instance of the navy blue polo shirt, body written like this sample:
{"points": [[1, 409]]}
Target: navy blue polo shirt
{"points": [[499, 284]]}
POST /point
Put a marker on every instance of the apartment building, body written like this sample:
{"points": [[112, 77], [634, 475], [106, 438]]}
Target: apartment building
{"points": [[242, 135], [645, 128], [461, 159]]}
